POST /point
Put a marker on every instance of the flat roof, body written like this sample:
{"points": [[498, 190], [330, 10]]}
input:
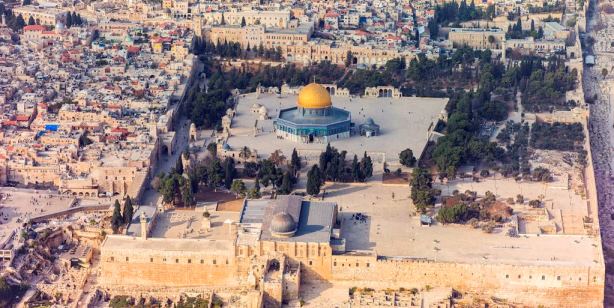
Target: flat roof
{"points": [[393, 229], [203, 246]]}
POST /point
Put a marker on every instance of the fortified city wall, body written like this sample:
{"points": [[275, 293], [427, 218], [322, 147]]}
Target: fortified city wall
{"points": [[547, 284]]}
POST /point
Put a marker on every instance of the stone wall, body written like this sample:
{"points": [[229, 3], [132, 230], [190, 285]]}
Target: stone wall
{"points": [[548, 285], [172, 269]]}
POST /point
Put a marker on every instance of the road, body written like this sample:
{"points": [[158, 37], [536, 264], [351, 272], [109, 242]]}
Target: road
{"points": [[602, 141]]}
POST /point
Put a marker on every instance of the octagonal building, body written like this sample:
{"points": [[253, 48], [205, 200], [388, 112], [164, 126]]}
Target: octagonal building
{"points": [[314, 119]]}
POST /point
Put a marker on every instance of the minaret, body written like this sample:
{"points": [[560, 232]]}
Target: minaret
{"points": [[143, 226]]}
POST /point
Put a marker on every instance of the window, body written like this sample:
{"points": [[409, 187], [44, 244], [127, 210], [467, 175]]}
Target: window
{"points": [[150, 259], [189, 261], [112, 259], [226, 261], [202, 261], [214, 262], [507, 276], [334, 263], [558, 277], [367, 264], [543, 277], [126, 259], [310, 263], [356, 264], [176, 260], [519, 276]]}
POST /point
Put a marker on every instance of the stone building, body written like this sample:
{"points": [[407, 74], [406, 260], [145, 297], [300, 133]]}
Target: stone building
{"points": [[44, 15], [477, 38], [275, 245]]}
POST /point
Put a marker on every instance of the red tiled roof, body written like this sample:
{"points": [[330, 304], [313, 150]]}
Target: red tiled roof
{"points": [[22, 118], [34, 28], [133, 49]]}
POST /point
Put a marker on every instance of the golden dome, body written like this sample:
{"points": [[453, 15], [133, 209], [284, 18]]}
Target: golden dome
{"points": [[314, 96]]}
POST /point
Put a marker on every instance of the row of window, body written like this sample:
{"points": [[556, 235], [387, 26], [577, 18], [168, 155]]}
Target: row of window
{"points": [[544, 277], [188, 261], [350, 264]]}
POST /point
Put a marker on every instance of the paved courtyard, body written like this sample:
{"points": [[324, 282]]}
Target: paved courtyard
{"points": [[392, 229], [17, 206], [404, 123]]}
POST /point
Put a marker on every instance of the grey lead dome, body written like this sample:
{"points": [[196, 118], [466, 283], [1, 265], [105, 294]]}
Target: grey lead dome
{"points": [[283, 224]]}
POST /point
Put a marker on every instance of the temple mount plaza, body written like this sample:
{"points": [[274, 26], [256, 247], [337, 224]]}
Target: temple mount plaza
{"points": [[308, 118]]}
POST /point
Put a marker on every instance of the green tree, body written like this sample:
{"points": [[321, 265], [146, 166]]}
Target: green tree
{"points": [[69, 20], [31, 21], [229, 172], [356, 173], [257, 184], [187, 197], [128, 210], [286, 184], [19, 23], [179, 165], [238, 188], [349, 57], [243, 22], [366, 166], [314, 181], [454, 214], [295, 160], [117, 220], [422, 193], [406, 157]]}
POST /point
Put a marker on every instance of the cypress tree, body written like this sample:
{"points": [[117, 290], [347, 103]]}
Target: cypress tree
{"points": [[68, 20], [286, 184], [314, 181], [257, 184], [19, 23], [356, 174], [295, 161], [128, 210], [229, 172], [179, 165], [117, 219], [31, 21]]}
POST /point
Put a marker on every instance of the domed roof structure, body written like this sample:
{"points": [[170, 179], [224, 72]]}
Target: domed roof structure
{"points": [[283, 225], [314, 96]]}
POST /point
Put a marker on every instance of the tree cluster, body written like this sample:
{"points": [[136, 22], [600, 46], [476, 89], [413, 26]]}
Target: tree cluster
{"points": [[234, 50], [516, 32], [119, 218], [557, 136], [455, 13], [15, 23], [543, 86], [74, 19], [334, 167]]}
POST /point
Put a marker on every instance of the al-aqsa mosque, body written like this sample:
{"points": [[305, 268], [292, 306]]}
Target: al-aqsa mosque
{"points": [[314, 119]]}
